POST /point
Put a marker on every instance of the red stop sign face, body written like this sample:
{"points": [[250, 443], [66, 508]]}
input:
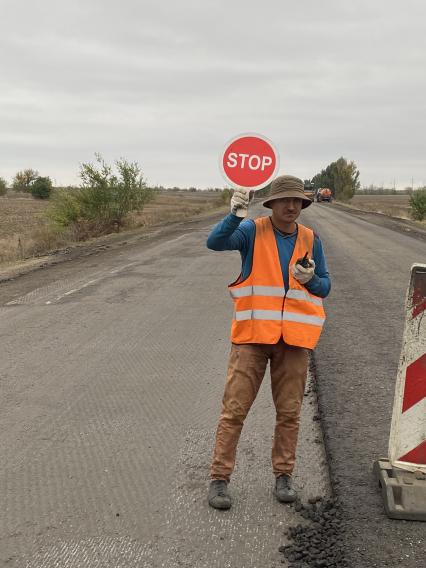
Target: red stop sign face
{"points": [[249, 161]]}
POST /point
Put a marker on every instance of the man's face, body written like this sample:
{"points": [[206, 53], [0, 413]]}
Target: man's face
{"points": [[286, 209]]}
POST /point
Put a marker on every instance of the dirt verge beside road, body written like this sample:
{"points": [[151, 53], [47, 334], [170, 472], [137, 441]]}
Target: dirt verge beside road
{"points": [[23, 277], [97, 245], [404, 226]]}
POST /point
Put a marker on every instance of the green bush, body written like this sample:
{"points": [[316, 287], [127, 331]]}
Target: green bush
{"points": [[418, 204], [103, 200], [41, 188], [64, 208], [3, 186], [107, 196], [225, 196]]}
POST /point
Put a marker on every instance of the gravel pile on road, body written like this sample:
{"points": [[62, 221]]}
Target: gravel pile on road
{"points": [[317, 544]]}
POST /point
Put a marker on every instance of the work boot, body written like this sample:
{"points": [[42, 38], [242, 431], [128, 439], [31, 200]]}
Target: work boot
{"points": [[219, 497], [284, 491]]}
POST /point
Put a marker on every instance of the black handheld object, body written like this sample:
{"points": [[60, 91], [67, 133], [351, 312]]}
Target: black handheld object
{"points": [[304, 261]]}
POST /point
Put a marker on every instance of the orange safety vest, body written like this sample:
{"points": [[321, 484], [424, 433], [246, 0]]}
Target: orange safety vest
{"points": [[264, 312]]}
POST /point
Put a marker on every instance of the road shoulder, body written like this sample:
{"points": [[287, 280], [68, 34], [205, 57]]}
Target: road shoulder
{"points": [[403, 226]]}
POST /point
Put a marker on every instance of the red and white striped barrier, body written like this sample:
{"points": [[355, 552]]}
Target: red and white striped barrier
{"points": [[402, 477], [407, 443]]}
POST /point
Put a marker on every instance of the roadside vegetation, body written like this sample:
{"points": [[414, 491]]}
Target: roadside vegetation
{"points": [[41, 188], [37, 218], [418, 204], [404, 204], [3, 187], [101, 204]]}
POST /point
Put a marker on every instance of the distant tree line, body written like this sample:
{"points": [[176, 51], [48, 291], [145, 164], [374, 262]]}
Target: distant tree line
{"points": [[191, 189], [107, 195], [29, 181], [341, 176]]}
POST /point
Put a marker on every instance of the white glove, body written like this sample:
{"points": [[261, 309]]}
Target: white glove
{"points": [[239, 203], [303, 275]]}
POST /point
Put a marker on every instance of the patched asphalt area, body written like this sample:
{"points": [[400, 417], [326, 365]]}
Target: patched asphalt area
{"points": [[318, 539], [356, 364]]}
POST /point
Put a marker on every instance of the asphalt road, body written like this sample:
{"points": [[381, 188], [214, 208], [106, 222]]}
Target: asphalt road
{"points": [[112, 369]]}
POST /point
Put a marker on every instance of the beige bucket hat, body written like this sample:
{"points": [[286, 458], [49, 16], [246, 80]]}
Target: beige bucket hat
{"points": [[287, 186]]}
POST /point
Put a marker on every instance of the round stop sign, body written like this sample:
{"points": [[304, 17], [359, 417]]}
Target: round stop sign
{"points": [[249, 161]]}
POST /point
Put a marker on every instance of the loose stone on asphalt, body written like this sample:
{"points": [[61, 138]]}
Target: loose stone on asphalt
{"points": [[320, 542]]}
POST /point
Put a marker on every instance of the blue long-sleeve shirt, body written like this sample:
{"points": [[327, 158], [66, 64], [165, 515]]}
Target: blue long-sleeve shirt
{"points": [[232, 234]]}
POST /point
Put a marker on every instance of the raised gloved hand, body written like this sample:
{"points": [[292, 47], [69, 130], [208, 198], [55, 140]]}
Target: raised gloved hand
{"points": [[239, 203], [303, 275]]}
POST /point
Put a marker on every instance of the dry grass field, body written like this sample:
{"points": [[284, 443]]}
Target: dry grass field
{"points": [[393, 205], [174, 206], [21, 225], [24, 231]]}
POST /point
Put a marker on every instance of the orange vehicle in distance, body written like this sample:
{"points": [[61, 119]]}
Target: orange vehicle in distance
{"points": [[324, 194]]}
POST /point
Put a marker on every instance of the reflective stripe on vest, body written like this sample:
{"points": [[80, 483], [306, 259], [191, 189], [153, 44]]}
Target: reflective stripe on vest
{"points": [[275, 315], [258, 291], [264, 312], [267, 315], [302, 318], [302, 295]]}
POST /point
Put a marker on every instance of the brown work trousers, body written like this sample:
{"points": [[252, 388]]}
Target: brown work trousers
{"points": [[246, 369]]}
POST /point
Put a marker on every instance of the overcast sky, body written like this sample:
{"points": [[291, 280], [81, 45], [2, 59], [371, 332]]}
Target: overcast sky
{"points": [[167, 83]]}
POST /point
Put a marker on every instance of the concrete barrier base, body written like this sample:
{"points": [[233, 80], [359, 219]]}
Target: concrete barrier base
{"points": [[404, 492]]}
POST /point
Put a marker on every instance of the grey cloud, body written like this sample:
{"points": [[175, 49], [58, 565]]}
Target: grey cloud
{"points": [[168, 83]]}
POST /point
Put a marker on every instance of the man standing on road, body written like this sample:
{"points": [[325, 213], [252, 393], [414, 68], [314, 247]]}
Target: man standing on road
{"points": [[278, 317]]}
